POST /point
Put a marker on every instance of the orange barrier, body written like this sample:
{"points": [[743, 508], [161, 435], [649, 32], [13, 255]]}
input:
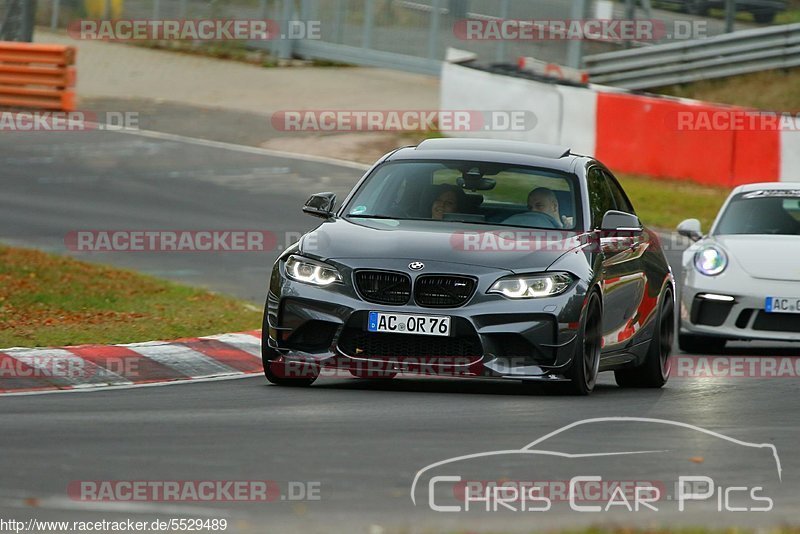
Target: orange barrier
{"points": [[37, 76]]}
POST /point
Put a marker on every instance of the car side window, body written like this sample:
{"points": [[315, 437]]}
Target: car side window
{"points": [[600, 197], [620, 198]]}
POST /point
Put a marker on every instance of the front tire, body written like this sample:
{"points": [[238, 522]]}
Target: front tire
{"points": [[586, 366], [276, 370], [654, 372]]}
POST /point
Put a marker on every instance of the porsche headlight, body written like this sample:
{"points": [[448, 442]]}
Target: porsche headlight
{"points": [[710, 260], [311, 272], [532, 286]]}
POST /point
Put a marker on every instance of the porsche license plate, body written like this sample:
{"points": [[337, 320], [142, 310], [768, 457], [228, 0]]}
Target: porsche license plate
{"points": [[399, 323], [782, 305]]}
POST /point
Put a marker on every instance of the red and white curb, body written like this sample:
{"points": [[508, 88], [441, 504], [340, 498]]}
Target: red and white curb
{"points": [[25, 370]]}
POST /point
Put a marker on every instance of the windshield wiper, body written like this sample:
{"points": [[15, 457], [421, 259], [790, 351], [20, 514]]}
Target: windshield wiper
{"points": [[367, 216]]}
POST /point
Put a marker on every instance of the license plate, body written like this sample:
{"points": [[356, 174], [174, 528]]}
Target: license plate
{"points": [[782, 305], [399, 323]]}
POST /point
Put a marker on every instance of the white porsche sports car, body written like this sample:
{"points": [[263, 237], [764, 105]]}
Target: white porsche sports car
{"points": [[742, 280]]}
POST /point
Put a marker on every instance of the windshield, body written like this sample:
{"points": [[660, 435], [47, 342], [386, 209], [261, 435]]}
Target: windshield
{"points": [[762, 212], [472, 192]]}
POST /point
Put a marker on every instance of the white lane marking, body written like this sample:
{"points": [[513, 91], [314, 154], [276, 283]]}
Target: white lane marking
{"points": [[181, 358], [60, 503], [244, 342], [94, 388], [66, 368], [241, 148]]}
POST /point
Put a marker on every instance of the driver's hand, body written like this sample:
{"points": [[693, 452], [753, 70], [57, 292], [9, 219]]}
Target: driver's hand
{"points": [[567, 221]]}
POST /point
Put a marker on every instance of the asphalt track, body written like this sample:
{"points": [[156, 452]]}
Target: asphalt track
{"points": [[362, 441]]}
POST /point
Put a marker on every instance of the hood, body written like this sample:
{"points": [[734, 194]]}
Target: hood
{"points": [[516, 249], [771, 257]]}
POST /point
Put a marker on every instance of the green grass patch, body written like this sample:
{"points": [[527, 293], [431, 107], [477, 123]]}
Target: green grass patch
{"points": [[772, 90], [782, 17], [663, 203], [48, 300], [227, 50], [788, 17]]}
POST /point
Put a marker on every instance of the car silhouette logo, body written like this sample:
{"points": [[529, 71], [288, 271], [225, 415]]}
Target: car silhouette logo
{"points": [[416, 265]]}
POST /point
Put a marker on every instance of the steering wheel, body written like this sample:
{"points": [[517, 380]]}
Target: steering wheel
{"points": [[398, 210]]}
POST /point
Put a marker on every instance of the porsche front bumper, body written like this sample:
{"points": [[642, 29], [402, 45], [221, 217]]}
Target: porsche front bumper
{"points": [[735, 309]]}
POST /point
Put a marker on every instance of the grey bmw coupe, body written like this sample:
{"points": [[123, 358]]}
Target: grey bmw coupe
{"points": [[474, 259]]}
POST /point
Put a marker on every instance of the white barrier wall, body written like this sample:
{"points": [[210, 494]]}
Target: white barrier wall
{"points": [[470, 89], [578, 119], [630, 132], [790, 153]]}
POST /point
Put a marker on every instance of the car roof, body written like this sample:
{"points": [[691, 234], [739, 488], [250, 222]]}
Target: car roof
{"points": [[772, 186], [490, 150], [496, 145]]}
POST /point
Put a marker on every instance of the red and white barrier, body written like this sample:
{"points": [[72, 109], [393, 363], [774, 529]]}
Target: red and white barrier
{"points": [[24, 370], [790, 153], [553, 70], [633, 133]]}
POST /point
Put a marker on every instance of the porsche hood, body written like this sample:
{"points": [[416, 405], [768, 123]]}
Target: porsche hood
{"points": [[769, 257]]}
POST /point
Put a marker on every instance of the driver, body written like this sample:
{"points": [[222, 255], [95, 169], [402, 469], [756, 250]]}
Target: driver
{"points": [[448, 200], [543, 200]]}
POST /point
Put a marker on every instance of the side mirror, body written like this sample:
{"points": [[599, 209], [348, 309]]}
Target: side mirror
{"points": [[691, 228], [619, 221], [320, 205]]}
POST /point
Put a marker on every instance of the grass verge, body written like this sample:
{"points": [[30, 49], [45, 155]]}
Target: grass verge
{"points": [[772, 90], [48, 300], [663, 203]]}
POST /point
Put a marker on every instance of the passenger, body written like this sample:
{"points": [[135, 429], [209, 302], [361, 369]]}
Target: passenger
{"points": [[543, 200], [449, 200]]}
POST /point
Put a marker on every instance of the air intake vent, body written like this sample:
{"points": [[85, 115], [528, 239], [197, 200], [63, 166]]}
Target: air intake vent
{"points": [[356, 342]]}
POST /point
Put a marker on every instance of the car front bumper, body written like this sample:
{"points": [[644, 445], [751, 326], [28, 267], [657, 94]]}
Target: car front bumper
{"points": [[742, 318], [491, 336]]}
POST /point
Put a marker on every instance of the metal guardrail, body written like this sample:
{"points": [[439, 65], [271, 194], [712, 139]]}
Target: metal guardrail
{"points": [[741, 52]]}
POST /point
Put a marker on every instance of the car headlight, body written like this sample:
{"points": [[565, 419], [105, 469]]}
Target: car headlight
{"points": [[532, 286], [710, 260], [311, 272]]}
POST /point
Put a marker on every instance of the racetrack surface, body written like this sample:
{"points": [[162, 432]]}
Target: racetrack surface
{"points": [[56, 183], [363, 441]]}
